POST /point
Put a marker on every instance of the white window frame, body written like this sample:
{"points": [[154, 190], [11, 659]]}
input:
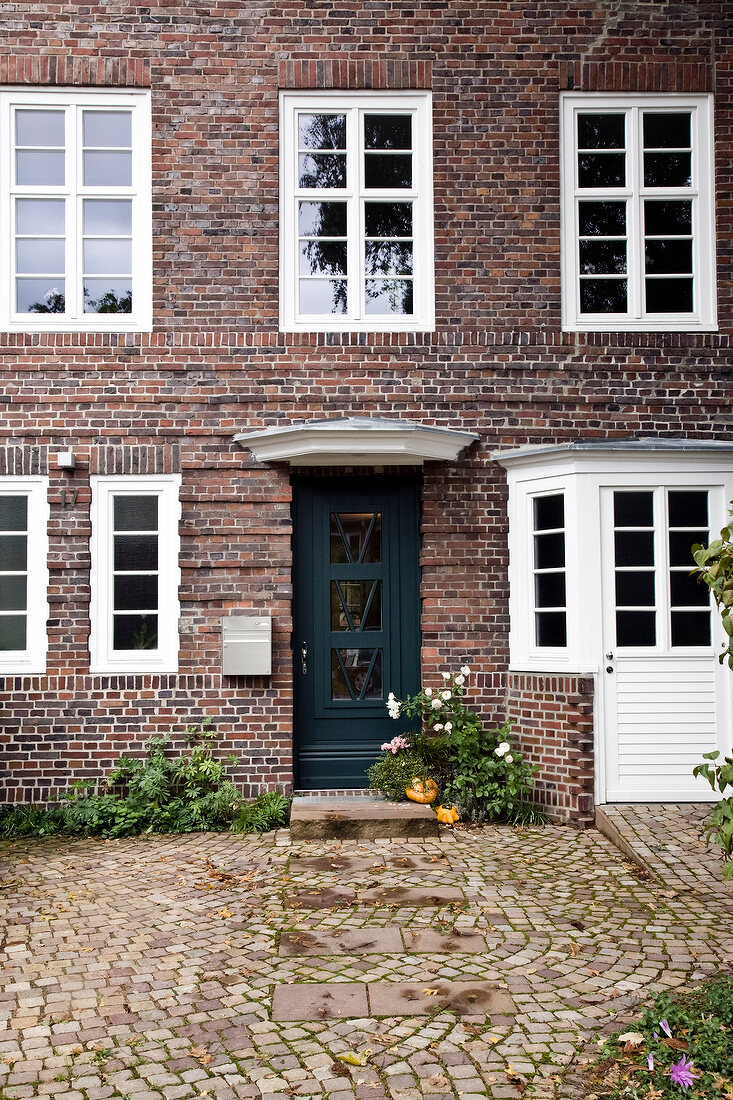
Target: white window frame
{"points": [[32, 659], [701, 193], [580, 477], [140, 191], [419, 104], [103, 657]]}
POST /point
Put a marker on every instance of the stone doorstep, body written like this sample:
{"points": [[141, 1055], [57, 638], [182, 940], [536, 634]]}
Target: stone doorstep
{"points": [[349, 1000], [359, 819]]}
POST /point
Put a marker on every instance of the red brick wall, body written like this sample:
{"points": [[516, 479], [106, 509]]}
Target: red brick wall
{"points": [[216, 365], [552, 721]]}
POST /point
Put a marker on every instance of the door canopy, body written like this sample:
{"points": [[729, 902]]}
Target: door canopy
{"points": [[356, 441]]}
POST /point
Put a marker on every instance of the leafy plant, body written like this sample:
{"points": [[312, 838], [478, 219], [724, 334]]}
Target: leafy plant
{"points": [[424, 758], [720, 827], [268, 811], [477, 769], [682, 1045], [715, 569], [157, 793]]}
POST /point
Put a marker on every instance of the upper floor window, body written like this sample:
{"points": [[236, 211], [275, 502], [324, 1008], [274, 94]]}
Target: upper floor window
{"points": [[356, 212], [638, 223], [24, 515], [135, 574], [75, 197]]}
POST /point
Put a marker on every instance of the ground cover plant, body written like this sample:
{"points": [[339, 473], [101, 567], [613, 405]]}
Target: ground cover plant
{"points": [[476, 769], [158, 793], [681, 1046]]}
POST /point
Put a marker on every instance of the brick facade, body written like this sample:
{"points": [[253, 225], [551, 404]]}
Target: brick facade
{"points": [[216, 365]]}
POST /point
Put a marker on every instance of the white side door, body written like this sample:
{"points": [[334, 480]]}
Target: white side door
{"points": [[666, 698]]}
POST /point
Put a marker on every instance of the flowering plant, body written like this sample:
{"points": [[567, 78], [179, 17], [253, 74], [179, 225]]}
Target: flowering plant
{"points": [[478, 769]]}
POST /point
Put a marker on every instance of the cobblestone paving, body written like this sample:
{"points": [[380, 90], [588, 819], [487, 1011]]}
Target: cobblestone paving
{"points": [[146, 968]]}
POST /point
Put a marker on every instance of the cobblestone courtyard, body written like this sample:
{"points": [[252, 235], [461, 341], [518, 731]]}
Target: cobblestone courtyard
{"points": [[227, 966]]}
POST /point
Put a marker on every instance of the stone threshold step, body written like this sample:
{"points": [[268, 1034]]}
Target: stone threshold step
{"points": [[352, 1000], [359, 818]]}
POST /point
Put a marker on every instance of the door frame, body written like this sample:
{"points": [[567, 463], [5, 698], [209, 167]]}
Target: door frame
{"points": [[304, 578]]}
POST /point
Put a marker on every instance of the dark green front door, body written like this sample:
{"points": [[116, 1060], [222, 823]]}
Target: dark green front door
{"points": [[356, 622]]}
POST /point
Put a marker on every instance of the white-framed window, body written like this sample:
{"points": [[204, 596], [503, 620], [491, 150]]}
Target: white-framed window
{"points": [[356, 212], [75, 201], [135, 574], [24, 513], [638, 226]]}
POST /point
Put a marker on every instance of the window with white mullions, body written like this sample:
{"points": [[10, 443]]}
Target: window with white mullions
{"points": [[549, 577], [689, 600], [634, 568], [23, 574], [356, 201], [638, 231], [76, 188], [135, 573]]}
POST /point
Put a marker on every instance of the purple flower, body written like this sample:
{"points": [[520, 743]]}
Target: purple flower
{"points": [[664, 1024], [650, 1061], [681, 1073]]}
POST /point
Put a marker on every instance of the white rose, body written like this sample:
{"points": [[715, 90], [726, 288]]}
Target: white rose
{"points": [[445, 695], [445, 675], [438, 726], [436, 704], [449, 726], [465, 670], [460, 680], [508, 758], [428, 692]]}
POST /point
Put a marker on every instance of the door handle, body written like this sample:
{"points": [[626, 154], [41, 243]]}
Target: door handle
{"points": [[609, 656], [304, 658], [609, 668]]}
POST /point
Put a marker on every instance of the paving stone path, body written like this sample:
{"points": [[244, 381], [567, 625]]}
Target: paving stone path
{"points": [[224, 966]]}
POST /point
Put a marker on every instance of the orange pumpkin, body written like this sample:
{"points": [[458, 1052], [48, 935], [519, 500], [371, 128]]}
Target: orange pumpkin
{"points": [[422, 790], [447, 815]]}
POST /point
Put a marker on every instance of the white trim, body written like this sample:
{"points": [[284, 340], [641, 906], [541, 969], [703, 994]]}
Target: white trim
{"points": [[355, 105], [33, 658], [140, 192], [701, 193], [584, 473], [359, 441], [103, 658]]}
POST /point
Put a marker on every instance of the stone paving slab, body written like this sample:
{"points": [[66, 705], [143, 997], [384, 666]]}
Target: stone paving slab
{"points": [[379, 941], [147, 967], [319, 1001], [411, 896], [464, 998]]}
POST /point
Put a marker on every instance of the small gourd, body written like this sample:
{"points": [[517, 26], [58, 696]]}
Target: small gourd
{"points": [[447, 815], [422, 790]]}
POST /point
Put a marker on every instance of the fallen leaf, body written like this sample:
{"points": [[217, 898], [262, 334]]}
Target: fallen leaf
{"points": [[675, 1044], [430, 992], [575, 949], [635, 1038], [516, 1079], [353, 1058]]}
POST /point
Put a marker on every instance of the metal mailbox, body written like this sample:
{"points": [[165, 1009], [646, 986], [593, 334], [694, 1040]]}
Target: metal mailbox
{"points": [[246, 645]]}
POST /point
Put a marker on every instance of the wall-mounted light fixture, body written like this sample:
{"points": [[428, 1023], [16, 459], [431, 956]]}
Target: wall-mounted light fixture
{"points": [[65, 460]]}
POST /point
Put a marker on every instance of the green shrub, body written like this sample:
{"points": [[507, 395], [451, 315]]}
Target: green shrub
{"points": [[393, 771], [268, 811], [476, 769], [154, 794]]}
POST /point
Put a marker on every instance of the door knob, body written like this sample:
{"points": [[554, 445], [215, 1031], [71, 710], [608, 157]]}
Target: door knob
{"points": [[304, 658], [609, 656], [609, 668]]}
